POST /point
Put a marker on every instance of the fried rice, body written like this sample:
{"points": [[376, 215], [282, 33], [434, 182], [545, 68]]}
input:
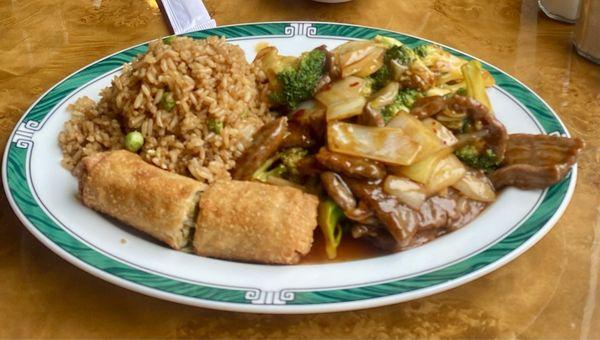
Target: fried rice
{"points": [[217, 103]]}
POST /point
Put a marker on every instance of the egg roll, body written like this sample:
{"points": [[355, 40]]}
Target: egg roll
{"points": [[154, 201], [255, 222]]}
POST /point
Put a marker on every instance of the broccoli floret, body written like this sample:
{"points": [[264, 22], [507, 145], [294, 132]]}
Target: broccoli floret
{"points": [[403, 102], [380, 78], [298, 84], [408, 97], [266, 170], [428, 50], [430, 53], [290, 157], [388, 115], [408, 68], [403, 55], [283, 164], [421, 50], [484, 160]]}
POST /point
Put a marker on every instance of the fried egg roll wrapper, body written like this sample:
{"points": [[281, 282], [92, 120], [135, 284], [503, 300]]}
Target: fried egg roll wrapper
{"points": [[154, 201], [255, 222]]}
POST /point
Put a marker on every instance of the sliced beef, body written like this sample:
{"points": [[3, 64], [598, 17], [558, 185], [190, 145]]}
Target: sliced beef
{"points": [[311, 119], [297, 136], [542, 149], [536, 161], [381, 238], [527, 177], [361, 230], [402, 227], [309, 166], [484, 125], [399, 220]]}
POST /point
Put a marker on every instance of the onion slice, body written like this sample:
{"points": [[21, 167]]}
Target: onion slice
{"points": [[420, 133], [436, 172], [405, 190], [344, 98], [477, 186], [389, 145]]}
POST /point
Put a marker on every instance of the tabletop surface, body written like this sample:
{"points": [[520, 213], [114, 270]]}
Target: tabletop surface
{"points": [[551, 291]]}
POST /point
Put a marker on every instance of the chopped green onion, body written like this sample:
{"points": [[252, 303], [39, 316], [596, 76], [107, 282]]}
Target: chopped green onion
{"points": [[167, 102], [215, 126]]}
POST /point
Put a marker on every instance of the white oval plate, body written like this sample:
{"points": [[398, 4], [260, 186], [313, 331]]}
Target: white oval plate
{"points": [[42, 195]]}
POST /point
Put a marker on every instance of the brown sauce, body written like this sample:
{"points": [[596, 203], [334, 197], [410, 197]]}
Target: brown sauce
{"points": [[350, 249]]}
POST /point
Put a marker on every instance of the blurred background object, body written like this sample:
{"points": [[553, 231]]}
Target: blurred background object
{"points": [[562, 10], [587, 31]]}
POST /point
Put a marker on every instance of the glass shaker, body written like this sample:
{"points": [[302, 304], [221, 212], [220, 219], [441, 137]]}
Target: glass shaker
{"points": [[587, 31], [562, 10]]}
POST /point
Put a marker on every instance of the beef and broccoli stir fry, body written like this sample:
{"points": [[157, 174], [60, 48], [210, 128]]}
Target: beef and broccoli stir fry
{"points": [[400, 144]]}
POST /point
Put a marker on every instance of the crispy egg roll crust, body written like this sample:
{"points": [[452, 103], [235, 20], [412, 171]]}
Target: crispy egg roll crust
{"points": [[255, 222], [152, 200]]}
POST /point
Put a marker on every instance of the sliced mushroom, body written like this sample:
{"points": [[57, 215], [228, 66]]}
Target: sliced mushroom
{"points": [[350, 165], [337, 189], [339, 192], [329, 73], [371, 116]]}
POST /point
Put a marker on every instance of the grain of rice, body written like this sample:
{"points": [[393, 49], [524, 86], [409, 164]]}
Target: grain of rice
{"points": [[158, 95], [146, 90]]}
